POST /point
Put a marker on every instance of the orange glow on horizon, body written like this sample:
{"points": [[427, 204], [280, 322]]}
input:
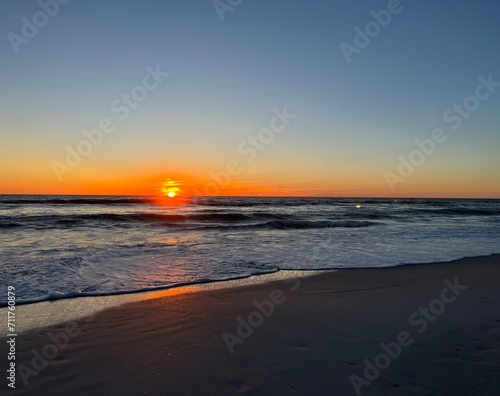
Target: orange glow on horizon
{"points": [[174, 187]]}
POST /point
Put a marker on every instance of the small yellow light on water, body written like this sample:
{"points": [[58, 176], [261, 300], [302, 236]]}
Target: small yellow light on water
{"points": [[358, 206]]}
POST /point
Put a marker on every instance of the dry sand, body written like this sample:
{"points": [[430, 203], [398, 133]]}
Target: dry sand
{"points": [[320, 333]]}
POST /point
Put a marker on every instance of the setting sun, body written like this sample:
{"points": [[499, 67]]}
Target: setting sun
{"points": [[169, 193], [170, 188]]}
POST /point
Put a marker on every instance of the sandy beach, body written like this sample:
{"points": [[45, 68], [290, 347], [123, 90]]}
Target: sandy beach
{"points": [[413, 330], [230, 197]]}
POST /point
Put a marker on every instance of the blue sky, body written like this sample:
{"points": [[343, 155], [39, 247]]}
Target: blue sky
{"points": [[353, 119]]}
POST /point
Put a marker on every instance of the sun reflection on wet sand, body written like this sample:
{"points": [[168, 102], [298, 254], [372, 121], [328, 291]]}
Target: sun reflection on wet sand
{"points": [[174, 291]]}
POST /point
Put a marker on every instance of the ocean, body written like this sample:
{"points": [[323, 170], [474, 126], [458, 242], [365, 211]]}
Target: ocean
{"points": [[54, 247]]}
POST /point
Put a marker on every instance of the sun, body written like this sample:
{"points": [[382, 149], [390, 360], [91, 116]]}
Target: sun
{"points": [[169, 192]]}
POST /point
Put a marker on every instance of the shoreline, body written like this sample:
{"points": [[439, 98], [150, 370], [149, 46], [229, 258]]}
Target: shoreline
{"points": [[45, 313], [440, 324], [42, 314]]}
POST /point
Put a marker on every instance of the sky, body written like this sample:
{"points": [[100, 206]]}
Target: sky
{"points": [[229, 97]]}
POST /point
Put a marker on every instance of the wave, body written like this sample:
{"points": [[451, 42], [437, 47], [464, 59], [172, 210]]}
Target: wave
{"points": [[278, 224], [117, 219], [252, 220], [457, 211], [291, 225], [10, 225], [223, 213], [197, 221], [157, 217]]}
